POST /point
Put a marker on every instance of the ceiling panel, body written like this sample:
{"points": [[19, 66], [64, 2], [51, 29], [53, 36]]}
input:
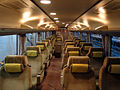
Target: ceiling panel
{"points": [[111, 17], [12, 13], [67, 10]]}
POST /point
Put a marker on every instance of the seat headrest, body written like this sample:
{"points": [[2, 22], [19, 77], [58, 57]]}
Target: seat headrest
{"points": [[82, 42], [97, 54], [113, 60], [74, 53], [112, 64], [13, 67], [59, 39], [32, 53], [79, 68], [20, 59], [34, 48], [42, 47], [72, 49], [114, 68], [77, 60], [70, 43], [87, 47], [40, 43], [96, 49]]}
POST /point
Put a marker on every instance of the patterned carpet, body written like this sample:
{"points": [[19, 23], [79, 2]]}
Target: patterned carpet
{"points": [[52, 80]]}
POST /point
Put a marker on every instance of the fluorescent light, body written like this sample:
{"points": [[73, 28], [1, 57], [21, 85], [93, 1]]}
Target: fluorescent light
{"points": [[52, 13], [26, 14], [45, 1], [63, 23], [55, 18], [102, 10], [57, 21], [66, 25]]}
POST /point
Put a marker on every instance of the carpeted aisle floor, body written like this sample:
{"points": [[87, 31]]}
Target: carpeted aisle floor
{"points": [[52, 80]]}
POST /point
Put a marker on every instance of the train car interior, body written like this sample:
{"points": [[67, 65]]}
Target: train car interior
{"points": [[59, 44]]}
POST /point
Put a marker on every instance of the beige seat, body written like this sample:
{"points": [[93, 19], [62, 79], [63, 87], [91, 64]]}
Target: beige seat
{"points": [[77, 41], [68, 44], [15, 74], [35, 60], [81, 42], [96, 55], [85, 48], [58, 46], [49, 47], [78, 75], [109, 76], [70, 51], [44, 52]]}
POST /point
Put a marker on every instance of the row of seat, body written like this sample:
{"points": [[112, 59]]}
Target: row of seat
{"points": [[25, 72], [58, 45], [78, 58]]}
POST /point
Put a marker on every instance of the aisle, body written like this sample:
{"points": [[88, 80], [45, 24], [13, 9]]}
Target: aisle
{"points": [[52, 80]]}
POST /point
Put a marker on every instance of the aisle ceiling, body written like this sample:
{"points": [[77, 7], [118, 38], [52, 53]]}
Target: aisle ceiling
{"points": [[66, 10]]}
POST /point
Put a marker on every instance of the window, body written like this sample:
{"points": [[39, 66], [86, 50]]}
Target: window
{"points": [[115, 50], [31, 39], [7, 46], [96, 40], [84, 35]]}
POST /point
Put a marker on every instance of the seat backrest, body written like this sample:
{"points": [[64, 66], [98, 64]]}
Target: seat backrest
{"points": [[78, 75], [33, 51], [15, 74], [67, 41], [86, 46], [96, 52], [77, 41], [81, 42], [16, 59], [58, 38], [41, 45], [73, 51], [69, 44], [109, 76], [47, 41]]}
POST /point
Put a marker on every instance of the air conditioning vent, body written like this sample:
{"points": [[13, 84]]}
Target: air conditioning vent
{"points": [[15, 4]]}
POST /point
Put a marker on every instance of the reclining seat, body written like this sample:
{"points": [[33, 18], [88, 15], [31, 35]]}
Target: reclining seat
{"points": [[35, 60], [74, 38], [70, 51], [49, 47], [58, 46], [109, 76], [44, 52], [81, 42], [77, 41], [78, 75], [15, 74], [85, 48], [66, 44], [59, 39], [96, 55]]}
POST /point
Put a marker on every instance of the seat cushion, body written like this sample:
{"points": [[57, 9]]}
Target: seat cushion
{"points": [[13, 67], [79, 68], [32, 53], [114, 68]]}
